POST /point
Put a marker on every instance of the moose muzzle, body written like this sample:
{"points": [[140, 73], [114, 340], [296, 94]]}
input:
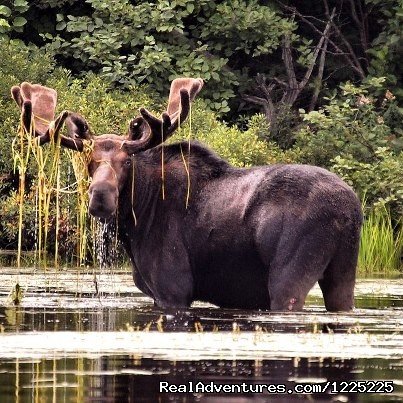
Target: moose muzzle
{"points": [[103, 200]]}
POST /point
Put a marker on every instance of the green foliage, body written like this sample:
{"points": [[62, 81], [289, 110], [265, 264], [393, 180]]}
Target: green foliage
{"points": [[9, 220], [106, 110], [154, 42], [242, 26], [240, 148], [352, 123], [387, 49], [380, 183], [19, 62], [12, 16], [358, 136]]}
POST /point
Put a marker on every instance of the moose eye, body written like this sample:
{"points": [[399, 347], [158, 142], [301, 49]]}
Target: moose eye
{"points": [[128, 162]]}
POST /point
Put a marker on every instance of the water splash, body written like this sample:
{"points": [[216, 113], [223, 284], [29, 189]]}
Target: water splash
{"points": [[105, 247]]}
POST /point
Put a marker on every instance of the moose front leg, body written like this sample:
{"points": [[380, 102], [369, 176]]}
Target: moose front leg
{"points": [[172, 279]]}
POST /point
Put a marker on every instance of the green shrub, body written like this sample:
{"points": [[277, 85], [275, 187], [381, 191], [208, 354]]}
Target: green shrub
{"points": [[240, 148], [380, 183], [12, 17], [351, 124]]}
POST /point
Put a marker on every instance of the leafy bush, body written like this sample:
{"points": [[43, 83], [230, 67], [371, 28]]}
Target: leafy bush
{"points": [[130, 43], [351, 124], [11, 16], [240, 148], [379, 183], [358, 136]]}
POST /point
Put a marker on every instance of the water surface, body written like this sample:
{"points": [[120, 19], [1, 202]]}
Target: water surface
{"points": [[84, 336]]}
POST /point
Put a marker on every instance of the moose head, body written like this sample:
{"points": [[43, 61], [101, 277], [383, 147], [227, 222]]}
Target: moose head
{"points": [[111, 155]]}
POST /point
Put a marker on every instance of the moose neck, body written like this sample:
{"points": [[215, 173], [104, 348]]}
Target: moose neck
{"points": [[152, 189], [155, 193]]}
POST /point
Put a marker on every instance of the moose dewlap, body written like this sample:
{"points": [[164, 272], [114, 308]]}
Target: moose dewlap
{"points": [[256, 238]]}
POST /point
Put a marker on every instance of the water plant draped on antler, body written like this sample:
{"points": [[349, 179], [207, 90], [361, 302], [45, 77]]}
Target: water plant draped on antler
{"points": [[38, 103]]}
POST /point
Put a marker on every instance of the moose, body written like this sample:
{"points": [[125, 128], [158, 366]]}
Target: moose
{"points": [[248, 238]]}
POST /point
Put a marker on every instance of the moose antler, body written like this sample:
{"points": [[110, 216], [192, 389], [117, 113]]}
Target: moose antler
{"points": [[182, 93], [38, 104]]}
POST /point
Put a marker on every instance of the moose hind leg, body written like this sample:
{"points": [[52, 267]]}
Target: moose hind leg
{"points": [[338, 280], [295, 271], [288, 291], [290, 283]]}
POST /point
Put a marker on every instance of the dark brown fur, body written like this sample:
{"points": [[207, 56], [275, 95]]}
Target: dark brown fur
{"points": [[255, 238]]}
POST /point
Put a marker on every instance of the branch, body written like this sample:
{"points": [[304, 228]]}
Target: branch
{"points": [[319, 46], [347, 44], [261, 81], [361, 22], [319, 77], [175, 34], [288, 62], [280, 82], [267, 105], [339, 51], [354, 12], [326, 7]]}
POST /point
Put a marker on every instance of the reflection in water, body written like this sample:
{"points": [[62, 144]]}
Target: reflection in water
{"points": [[66, 344], [128, 378]]}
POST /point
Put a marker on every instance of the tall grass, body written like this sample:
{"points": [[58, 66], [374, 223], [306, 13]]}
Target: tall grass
{"points": [[45, 163], [381, 245]]}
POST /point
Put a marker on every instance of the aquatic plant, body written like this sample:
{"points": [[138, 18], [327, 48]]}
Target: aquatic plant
{"points": [[381, 245], [47, 185]]}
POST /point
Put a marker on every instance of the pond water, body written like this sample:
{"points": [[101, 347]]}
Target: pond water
{"points": [[83, 336]]}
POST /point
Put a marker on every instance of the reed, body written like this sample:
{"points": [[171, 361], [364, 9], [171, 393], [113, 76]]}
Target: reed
{"points": [[381, 245], [21, 151], [45, 165], [79, 162]]}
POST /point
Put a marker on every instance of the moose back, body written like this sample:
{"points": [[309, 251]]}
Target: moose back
{"points": [[197, 228]]}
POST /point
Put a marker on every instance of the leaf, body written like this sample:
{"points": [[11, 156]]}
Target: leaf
{"points": [[4, 23], [215, 76], [190, 8], [20, 3], [398, 143], [19, 21], [4, 10], [60, 26]]}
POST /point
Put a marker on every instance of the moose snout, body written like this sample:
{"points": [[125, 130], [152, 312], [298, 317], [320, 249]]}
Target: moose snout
{"points": [[103, 200]]}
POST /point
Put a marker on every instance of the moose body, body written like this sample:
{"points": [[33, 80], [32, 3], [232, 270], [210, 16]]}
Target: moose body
{"points": [[255, 238]]}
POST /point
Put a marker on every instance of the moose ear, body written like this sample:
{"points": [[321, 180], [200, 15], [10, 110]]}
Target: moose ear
{"points": [[138, 127], [16, 94], [78, 127]]}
